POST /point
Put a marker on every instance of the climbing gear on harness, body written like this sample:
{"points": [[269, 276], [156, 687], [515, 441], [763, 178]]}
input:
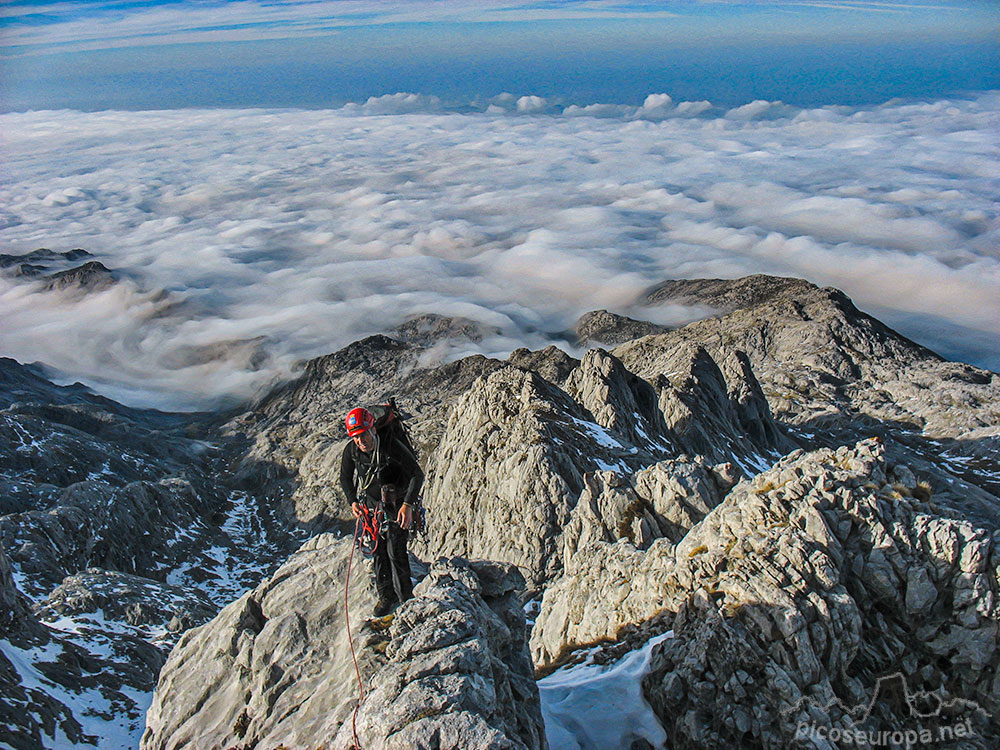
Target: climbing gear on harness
{"points": [[418, 516], [371, 522], [358, 420], [419, 523], [364, 482]]}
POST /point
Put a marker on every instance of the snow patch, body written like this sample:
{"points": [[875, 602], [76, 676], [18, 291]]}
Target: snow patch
{"points": [[601, 706], [114, 725]]}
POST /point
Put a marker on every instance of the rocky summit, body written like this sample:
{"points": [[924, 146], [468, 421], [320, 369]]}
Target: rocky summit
{"points": [[789, 510]]}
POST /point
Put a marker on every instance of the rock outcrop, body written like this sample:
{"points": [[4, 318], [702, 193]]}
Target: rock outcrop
{"points": [[92, 276], [821, 361], [57, 272], [508, 472], [795, 595], [275, 667], [664, 501], [510, 468], [37, 262], [833, 374], [430, 330], [458, 673], [113, 597], [67, 688], [120, 531], [727, 295], [15, 608], [609, 329], [92, 483]]}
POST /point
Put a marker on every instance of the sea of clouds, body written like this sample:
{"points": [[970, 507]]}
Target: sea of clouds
{"points": [[250, 240]]}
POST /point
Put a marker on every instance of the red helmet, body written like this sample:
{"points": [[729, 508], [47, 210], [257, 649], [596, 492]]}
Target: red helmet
{"points": [[359, 420]]}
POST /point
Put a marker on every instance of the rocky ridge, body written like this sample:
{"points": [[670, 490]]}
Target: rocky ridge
{"points": [[831, 374], [824, 364], [116, 536], [56, 272], [90, 483], [791, 597], [601, 327], [517, 449], [68, 690], [38, 261], [274, 669], [633, 488]]}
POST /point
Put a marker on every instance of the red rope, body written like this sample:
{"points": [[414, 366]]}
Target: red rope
{"points": [[350, 638]]}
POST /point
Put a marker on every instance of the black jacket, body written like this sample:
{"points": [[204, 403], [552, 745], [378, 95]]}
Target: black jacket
{"points": [[396, 465]]}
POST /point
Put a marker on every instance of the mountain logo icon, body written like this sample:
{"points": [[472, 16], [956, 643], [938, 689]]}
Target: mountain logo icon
{"points": [[892, 690]]}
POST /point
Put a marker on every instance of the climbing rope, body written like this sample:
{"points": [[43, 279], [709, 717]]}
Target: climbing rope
{"points": [[350, 639]]}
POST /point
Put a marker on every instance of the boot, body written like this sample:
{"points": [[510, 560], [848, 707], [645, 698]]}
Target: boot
{"points": [[383, 607]]}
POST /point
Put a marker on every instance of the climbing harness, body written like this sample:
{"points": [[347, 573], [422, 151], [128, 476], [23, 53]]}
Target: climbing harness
{"points": [[350, 639]]}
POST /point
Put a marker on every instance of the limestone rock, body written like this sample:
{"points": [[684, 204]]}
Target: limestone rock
{"points": [[430, 329], [609, 509], [665, 500], [612, 481], [797, 593], [832, 375], [124, 529], [52, 437], [707, 413], [55, 682], [275, 666], [127, 598], [458, 671], [726, 294], [812, 349], [35, 264], [610, 329], [92, 276], [508, 472], [551, 363], [90, 483], [14, 607], [43, 256], [618, 400], [681, 492], [510, 469]]}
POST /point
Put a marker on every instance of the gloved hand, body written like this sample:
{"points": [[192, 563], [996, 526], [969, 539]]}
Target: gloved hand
{"points": [[356, 509]]}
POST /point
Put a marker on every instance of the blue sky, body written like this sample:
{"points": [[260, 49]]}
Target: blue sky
{"points": [[142, 55]]}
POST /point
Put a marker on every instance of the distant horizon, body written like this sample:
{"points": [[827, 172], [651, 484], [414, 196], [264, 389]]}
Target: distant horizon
{"points": [[172, 55]]}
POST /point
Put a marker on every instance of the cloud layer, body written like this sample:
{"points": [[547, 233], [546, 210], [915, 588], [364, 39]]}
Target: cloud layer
{"points": [[252, 239]]}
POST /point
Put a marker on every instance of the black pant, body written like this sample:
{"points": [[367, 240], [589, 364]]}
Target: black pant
{"points": [[392, 564]]}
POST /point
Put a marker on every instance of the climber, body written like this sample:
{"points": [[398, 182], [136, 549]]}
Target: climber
{"points": [[384, 475]]}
